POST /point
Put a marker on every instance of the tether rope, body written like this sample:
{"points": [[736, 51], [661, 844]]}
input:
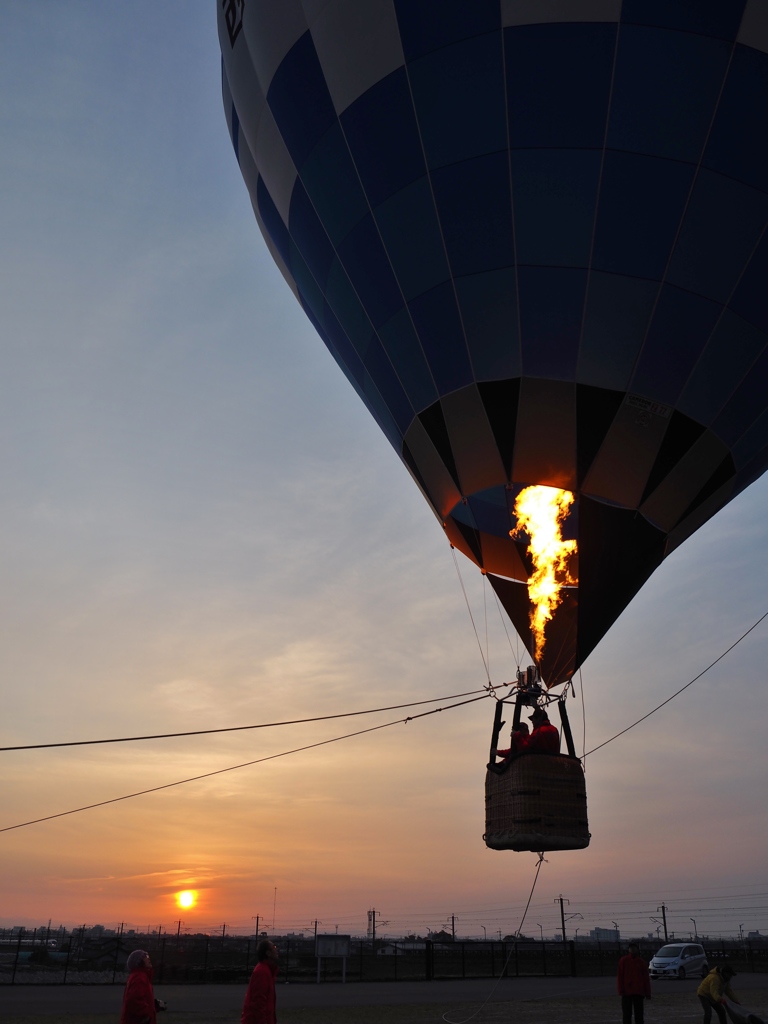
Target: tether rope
{"points": [[246, 764], [678, 692], [241, 728], [509, 955]]}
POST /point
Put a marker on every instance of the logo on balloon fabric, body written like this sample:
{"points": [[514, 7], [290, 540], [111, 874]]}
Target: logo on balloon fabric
{"points": [[233, 16]]}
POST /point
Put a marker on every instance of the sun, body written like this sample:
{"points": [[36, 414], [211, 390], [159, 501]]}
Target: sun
{"points": [[186, 899]]}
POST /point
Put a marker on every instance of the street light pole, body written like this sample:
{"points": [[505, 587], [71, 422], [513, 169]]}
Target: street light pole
{"points": [[541, 930], [695, 930]]}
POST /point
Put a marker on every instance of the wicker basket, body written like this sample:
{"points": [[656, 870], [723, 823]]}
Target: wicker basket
{"points": [[538, 804]]}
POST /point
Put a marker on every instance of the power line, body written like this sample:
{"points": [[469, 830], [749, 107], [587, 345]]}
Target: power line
{"points": [[241, 728], [235, 767], [678, 692]]}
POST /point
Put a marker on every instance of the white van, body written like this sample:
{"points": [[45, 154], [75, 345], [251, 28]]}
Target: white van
{"points": [[679, 960]]}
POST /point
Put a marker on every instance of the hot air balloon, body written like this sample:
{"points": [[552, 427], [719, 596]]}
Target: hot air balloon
{"points": [[532, 235]]}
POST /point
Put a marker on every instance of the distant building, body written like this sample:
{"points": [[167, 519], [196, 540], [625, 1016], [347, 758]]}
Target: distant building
{"points": [[605, 934]]}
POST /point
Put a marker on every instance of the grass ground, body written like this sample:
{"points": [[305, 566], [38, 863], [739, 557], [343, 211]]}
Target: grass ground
{"points": [[665, 1008]]}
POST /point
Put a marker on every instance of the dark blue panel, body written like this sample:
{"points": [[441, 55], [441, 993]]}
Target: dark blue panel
{"points": [[346, 370], [473, 202], [752, 444], [411, 232], [437, 323], [738, 144], [681, 326], [665, 91], [558, 81], [369, 270], [346, 351], [750, 299], [615, 323], [551, 307], [308, 287], [381, 413], [378, 365], [641, 202], [708, 17], [309, 235], [235, 133], [730, 352], [346, 305], [332, 184], [747, 404], [299, 100], [429, 24], [490, 517], [403, 347], [555, 192], [458, 93], [722, 225], [488, 304], [273, 222], [381, 131]]}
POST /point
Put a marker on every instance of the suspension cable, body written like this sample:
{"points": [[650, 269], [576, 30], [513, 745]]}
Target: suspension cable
{"points": [[246, 764], [471, 616]]}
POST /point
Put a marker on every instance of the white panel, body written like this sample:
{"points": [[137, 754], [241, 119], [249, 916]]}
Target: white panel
{"points": [[358, 43], [244, 85], [674, 494], [441, 489], [248, 168], [753, 30], [474, 447], [271, 27], [538, 12], [275, 164], [274, 253]]}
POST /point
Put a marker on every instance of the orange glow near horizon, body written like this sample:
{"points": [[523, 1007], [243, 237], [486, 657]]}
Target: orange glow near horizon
{"points": [[540, 512], [186, 899]]}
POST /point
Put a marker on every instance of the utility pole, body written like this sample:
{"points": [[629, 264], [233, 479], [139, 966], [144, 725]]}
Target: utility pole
{"points": [[663, 910], [453, 927], [178, 933], [561, 901], [223, 930], [274, 909], [256, 918]]}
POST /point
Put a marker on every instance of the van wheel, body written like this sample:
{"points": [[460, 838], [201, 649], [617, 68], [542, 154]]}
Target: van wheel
{"points": [[681, 974]]}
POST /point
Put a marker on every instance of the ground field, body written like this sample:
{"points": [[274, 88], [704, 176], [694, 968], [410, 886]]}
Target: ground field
{"points": [[522, 1001]]}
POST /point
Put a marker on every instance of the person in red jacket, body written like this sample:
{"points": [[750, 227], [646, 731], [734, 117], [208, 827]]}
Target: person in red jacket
{"points": [[545, 739], [633, 984], [259, 1005], [139, 996]]}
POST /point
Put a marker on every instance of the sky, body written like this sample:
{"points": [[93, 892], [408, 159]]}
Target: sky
{"points": [[201, 526]]}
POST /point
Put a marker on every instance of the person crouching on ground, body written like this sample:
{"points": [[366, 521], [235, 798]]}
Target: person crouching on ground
{"points": [[633, 984], [139, 996], [259, 1005], [711, 992]]}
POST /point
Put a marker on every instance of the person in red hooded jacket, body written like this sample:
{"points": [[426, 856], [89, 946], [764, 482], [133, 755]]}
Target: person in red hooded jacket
{"points": [[633, 984], [139, 996], [259, 1005], [545, 739]]}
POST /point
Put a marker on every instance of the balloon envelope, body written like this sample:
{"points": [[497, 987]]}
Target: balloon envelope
{"points": [[531, 233]]}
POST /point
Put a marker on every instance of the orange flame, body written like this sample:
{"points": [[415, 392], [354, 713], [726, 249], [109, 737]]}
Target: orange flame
{"points": [[540, 512]]}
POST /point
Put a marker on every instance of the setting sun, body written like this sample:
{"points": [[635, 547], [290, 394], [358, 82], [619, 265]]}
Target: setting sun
{"points": [[186, 899]]}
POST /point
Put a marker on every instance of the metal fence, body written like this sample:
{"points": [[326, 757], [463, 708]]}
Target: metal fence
{"points": [[204, 959]]}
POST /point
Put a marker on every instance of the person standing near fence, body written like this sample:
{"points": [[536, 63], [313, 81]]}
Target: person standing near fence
{"points": [[259, 1005], [633, 985], [139, 996]]}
